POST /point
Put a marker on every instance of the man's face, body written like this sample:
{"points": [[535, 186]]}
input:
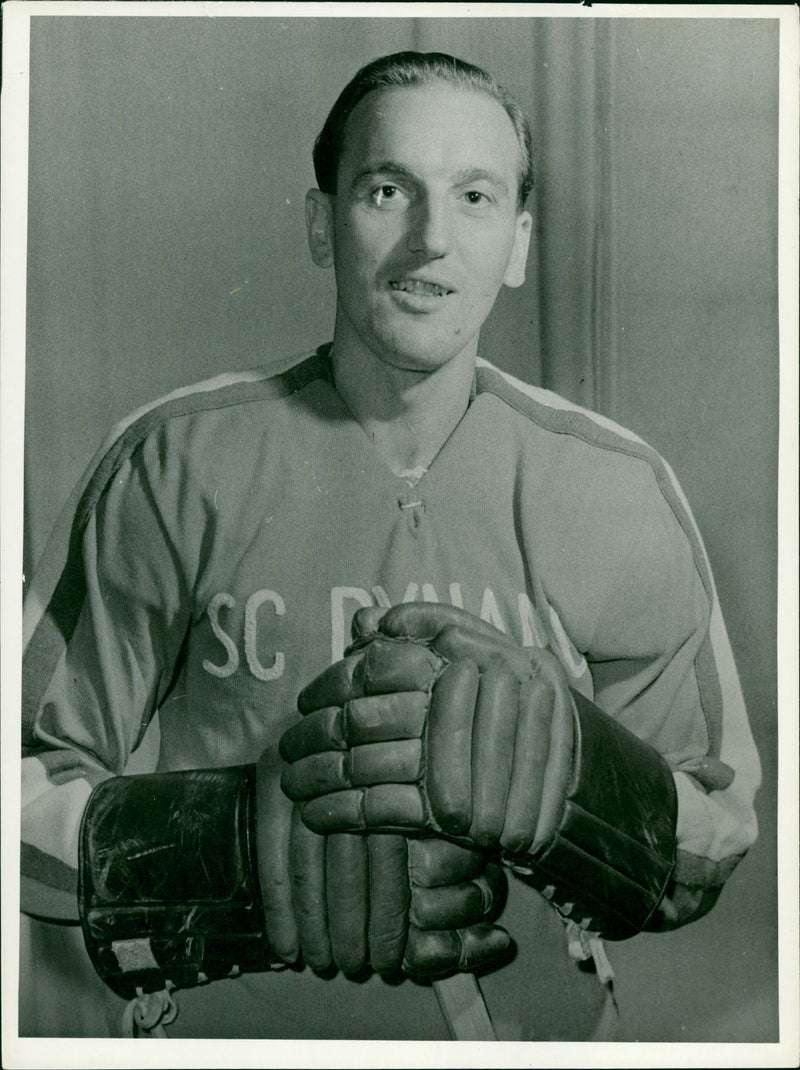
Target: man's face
{"points": [[424, 228]]}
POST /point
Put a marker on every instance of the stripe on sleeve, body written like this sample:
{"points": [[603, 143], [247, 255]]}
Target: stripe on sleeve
{"points": [[51, 823], [560, 416], [53, 615], [43, 868]]}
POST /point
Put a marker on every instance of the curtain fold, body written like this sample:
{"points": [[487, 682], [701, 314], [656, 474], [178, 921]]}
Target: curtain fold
{"points": [[573, 127]]}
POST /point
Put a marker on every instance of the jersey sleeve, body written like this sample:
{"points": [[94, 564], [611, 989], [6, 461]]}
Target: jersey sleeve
{"points": [[104, 622], [662, 664]]}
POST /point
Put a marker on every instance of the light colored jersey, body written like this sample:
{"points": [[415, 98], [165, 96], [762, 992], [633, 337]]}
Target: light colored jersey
{"points": [[210, 564]]}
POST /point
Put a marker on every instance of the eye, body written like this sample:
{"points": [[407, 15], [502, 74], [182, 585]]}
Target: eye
{"points": [[475, 197], [386, 195]]}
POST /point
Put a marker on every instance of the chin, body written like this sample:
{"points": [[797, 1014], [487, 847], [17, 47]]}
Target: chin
{"points": [[425, 356]]}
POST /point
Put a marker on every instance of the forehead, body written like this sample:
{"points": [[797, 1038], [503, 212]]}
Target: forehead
{"points": [[427, 128]]}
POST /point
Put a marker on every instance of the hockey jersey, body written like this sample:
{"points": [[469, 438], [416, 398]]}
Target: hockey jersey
{"points": [[210, 563]]}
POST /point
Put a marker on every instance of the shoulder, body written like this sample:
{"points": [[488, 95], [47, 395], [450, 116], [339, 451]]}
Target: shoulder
{"points": [[595, 467], [228, 392], [578, 439], [157, 458], [178, 428], [552, 413]]}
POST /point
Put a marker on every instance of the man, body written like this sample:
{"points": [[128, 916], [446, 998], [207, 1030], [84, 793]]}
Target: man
{"points": [[547, 747]]}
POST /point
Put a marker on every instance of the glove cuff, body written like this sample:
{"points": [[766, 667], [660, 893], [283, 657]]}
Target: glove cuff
{"points": [[168, 890], [608, 863]]}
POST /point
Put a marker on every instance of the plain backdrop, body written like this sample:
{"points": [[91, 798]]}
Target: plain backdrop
{"points": [[169, 158]]}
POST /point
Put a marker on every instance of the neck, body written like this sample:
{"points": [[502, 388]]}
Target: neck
{"points": [[408, 415]]}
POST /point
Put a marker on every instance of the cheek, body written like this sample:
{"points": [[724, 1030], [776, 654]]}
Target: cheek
{"points": [[490, 254], [358, 261]]}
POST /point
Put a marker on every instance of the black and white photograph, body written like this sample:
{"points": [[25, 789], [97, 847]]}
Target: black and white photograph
{"points": [[399, 534]]}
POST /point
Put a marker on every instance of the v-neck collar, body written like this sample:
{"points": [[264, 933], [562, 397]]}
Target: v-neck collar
{"points": [[437, 462]]}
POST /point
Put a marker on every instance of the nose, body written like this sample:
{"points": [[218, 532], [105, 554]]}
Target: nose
{"points": [[429, 234]]}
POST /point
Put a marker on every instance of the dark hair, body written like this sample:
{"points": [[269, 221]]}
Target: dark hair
{"points": [[412, 69]]}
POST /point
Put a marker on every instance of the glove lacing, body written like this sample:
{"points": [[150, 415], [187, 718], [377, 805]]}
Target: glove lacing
{"points": [[148, 1012]]}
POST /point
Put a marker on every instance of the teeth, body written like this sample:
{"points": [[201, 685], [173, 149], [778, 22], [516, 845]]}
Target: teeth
{"points": [[417, 286]]}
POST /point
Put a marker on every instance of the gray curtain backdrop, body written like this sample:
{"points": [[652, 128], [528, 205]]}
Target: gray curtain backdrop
{"points": [[168, 163]]}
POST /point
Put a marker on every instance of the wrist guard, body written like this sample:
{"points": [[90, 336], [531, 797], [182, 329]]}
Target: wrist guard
{"points": [[168, 888], [608, 863]]}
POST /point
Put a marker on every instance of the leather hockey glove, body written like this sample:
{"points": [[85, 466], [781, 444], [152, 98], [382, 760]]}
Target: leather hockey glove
{"points": [[192, 876], [435, 721]]}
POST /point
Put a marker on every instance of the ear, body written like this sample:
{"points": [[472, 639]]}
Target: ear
{"points": [[319, 227], [515, 270]]}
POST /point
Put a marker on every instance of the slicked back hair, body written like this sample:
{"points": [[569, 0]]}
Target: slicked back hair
{"points": [[416, 69]]}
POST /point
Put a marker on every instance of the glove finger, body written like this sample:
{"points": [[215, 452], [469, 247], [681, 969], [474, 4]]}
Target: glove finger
{"points": [[433, 861], [531, 749], [450, 907], [483, 945], [389, 807], [456, 644], [307, 866], [373, 719], [322, 730], [389, 899], [544, 662], [439, 953], [455, 906], [383, 717], [398, 762], [335, 685], [424, 620], [449, 747], [559, 767], [366, 620], [431, 954], [318, 774], [493, 734], [395, 666], [380, 667], [347, 883], [383, 808], [272, 836], [494, 886], [342, 811]]}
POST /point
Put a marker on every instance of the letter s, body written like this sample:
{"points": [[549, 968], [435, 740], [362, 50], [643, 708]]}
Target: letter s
{"points": [[232, 664]]}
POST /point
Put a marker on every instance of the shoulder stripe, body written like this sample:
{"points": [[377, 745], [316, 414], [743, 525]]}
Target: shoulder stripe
{"points": [[209, 386], [219, 393], [557, 414], [54, 613], [48, 568]]}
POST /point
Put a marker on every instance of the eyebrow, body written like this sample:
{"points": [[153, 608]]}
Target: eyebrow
{"points": [[481, 174], [461, 178], [383, 167]]}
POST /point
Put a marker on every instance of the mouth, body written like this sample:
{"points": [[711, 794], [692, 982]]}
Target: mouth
{"points": [[420, 287]]}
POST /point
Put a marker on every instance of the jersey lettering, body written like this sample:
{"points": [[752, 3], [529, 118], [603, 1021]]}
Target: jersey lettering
{"points": [[456, 597], [344, 601], [490, 611], [262, 672], [340, 595], [232, 664]]}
